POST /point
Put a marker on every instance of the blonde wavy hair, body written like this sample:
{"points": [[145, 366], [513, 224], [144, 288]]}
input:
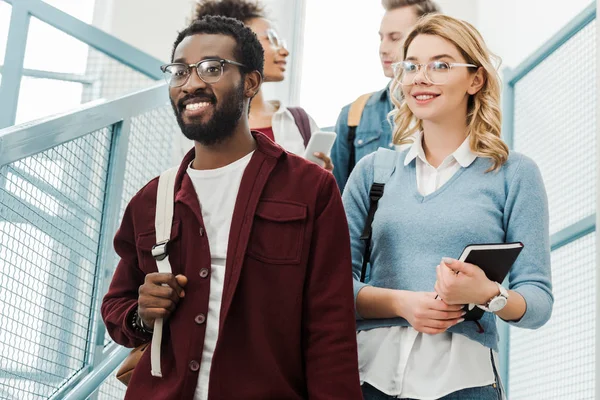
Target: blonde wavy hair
{"points": [[483, 113]]}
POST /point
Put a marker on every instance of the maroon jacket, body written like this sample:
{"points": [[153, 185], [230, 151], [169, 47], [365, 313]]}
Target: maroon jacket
{"points": [[287, 327]]}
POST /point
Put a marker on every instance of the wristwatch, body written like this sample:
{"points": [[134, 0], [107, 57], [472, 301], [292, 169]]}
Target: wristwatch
{"points": [[498, 302]]}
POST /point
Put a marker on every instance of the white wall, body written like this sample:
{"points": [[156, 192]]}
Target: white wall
{"points": [[514, 29], [287, 16], [340, 56], [152, 26], [335, 59]]}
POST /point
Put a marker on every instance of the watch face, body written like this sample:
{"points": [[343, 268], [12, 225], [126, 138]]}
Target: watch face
{"points": [[497, 303]]}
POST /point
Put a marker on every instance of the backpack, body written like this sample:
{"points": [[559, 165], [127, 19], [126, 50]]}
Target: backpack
{"points": [[384, 167], [163, 221], [354, 115], [302, 122]]}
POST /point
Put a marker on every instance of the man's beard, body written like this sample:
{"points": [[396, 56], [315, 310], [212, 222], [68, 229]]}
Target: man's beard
{"points": [[222, 124]]}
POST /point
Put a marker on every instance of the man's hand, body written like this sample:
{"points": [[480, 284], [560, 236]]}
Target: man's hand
{"points": [[159, 295]]}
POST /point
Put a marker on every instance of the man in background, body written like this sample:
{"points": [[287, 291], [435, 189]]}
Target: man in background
{"points": [[356, 140]]}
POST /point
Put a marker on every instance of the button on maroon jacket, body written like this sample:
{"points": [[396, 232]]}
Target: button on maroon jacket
{"points": [[287, 327]]}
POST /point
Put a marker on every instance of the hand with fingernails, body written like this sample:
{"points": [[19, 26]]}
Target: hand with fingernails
{"points": [[463, 283], [159, 296], [426, 314], [328, 164]]}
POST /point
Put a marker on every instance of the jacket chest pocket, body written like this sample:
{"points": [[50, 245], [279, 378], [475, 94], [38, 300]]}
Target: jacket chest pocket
{"points": [[278, 232], [146, 241]]}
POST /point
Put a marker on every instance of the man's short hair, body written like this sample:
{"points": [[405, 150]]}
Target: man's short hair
{"points": [[243, 10], [421, 7], [248, 49]]}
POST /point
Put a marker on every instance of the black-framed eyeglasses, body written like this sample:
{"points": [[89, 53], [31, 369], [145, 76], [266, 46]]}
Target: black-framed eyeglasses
{"points": [[210, 71]]}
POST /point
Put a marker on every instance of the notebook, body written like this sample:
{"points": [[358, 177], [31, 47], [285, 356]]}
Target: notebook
{"points": [[495, 260]]}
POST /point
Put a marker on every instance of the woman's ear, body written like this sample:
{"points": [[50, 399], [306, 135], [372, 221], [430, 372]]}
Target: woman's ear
{"points": [[477, 81], [252, 83]]}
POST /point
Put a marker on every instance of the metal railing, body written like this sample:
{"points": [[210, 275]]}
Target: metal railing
{"points": [[64, 183], [550, 108]]}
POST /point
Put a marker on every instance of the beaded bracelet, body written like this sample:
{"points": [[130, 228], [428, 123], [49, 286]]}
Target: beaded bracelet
{"points": [[138, 324]]}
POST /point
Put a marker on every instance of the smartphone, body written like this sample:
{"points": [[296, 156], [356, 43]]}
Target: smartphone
{"points": [[321, 142]]}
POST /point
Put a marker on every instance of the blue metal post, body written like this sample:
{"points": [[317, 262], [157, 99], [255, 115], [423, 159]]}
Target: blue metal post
{"points": [[508, 117], [508, 109], [110, 223], [13, 68]]}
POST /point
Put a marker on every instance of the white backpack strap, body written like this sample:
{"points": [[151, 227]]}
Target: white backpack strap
{"points": [[385, 164], [163, 221]]}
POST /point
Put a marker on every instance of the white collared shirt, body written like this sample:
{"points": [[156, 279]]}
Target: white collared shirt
{"points": [[399, 361]]}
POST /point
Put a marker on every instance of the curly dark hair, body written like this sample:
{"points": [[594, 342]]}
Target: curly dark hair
{"points": [[248, 50], [243, 10]]}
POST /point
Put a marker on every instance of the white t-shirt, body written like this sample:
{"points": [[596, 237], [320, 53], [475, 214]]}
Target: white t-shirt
{"points": [[399, 361], [217, 191]]}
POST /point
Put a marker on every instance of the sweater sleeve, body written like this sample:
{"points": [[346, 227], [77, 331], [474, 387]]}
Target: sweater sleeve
{"points": [[526, 220], [356, 203]]}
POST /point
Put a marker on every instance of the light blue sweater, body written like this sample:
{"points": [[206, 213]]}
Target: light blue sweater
{"points": [[411, 232]]}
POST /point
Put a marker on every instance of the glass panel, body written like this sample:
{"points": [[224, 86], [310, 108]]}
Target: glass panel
{"points": [[557, 361], [42, 97], [555, 124], [49, 49]]}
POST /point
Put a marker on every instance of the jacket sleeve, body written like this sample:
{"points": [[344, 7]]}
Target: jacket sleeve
{"points": [[329, 328], [526, 220], [340, 153], [122, 297]]}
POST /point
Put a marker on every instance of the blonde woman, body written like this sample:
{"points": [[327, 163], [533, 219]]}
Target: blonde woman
{"points": [[457, 184]]}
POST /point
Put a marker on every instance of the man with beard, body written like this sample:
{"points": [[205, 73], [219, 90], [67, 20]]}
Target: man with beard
{"points": [[260, 301]]}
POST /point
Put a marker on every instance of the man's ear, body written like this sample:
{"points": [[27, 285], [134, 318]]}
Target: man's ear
{"points": [[252, 83]]}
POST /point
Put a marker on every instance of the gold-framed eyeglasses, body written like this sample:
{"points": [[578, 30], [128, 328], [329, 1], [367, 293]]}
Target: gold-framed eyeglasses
{"points": [[436, 72], [210, 71]]}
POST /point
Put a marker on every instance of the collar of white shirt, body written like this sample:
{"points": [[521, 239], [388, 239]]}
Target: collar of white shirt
{"points": [[463, 155]]}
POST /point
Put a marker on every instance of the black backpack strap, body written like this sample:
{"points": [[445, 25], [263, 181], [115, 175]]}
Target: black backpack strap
{"points": [[354, 116], [352, 153], [302, 122], [383, 168], [374, 195]]}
